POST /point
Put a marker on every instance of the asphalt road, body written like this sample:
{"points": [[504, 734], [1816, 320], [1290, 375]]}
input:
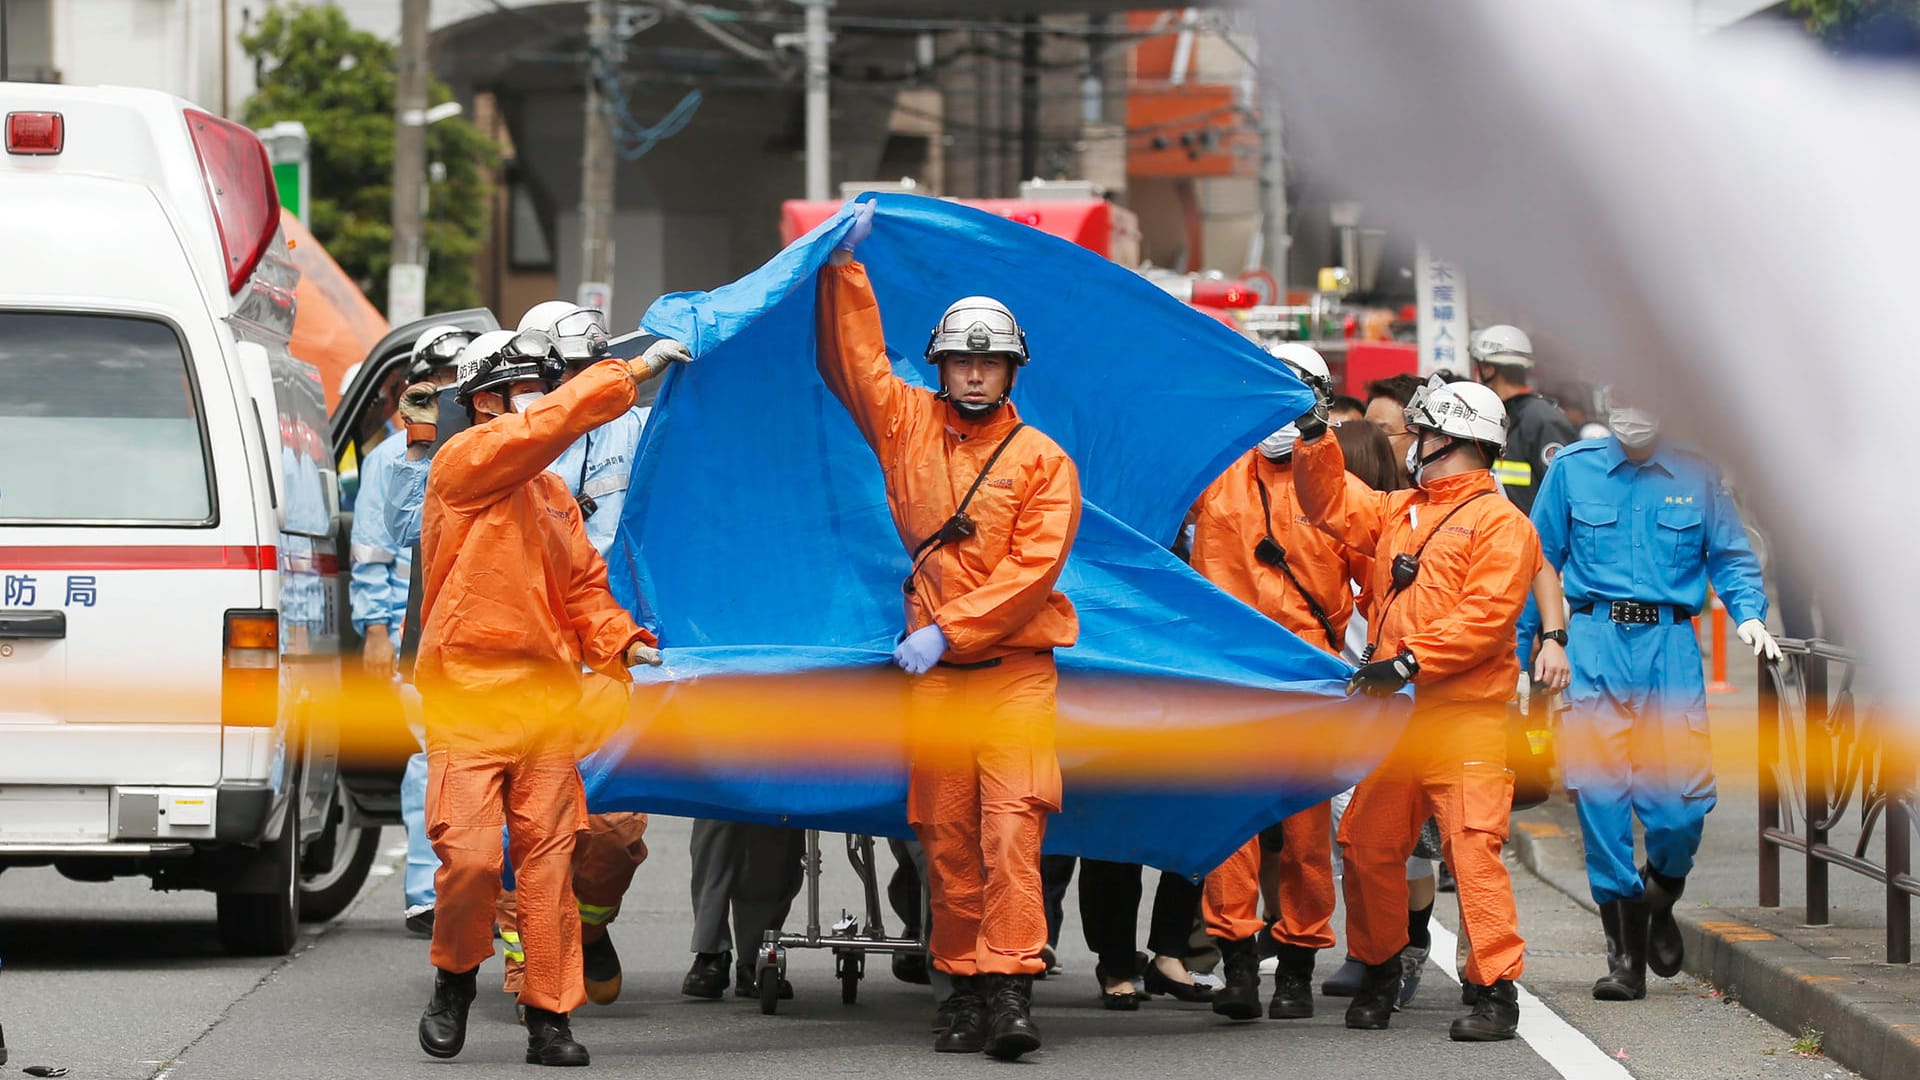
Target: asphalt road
{"points": [[115, 981]]}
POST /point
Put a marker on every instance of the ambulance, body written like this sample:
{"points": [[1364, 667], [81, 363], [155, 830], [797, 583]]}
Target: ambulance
{"points": [[170, 549]]}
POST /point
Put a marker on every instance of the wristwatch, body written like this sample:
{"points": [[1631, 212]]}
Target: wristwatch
{"points": [[1558, 637]]}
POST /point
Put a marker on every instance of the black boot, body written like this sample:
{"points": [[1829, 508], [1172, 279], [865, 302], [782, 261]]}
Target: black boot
{"points": [[1010, 1028], [1240, 965], [1495, 1016], [707, 978], [550, 1039], [443, 1027], [1292, 984], [1665, 949], [1372, 1005], [965, 1011], [600, 969], [1625, 922]]}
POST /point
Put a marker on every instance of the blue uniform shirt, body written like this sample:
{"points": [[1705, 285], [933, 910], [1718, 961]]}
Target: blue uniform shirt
{"points": [[597, 465], [381, 566], [1656, 531]]}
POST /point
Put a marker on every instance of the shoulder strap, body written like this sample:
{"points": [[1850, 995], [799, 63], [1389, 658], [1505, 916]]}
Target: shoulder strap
{"points": [[938, 538], [1319, 614], [1417, 552]]}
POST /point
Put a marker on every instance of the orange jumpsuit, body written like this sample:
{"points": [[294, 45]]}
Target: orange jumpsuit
{"points": [[1229, 521], [515, 601], [981, 811], [1457, 618]]}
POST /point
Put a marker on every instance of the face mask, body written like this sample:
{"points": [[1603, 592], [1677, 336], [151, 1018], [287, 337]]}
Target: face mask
{"points": [[522, 402], [1635, 428], [1280, 443]]}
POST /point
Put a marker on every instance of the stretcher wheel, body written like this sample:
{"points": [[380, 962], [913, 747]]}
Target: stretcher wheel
{"points": [[768, 986]]}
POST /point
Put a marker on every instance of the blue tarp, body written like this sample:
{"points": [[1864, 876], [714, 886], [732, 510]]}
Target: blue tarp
{"points": [[762, 546]]}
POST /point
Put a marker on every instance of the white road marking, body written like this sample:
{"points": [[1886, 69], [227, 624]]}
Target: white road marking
{"points": [[1560, 1044]]}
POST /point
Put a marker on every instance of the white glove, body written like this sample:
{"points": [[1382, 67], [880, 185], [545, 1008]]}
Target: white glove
{"points": [[640, 654], [1754, 633], [662, 353], [1525, 693]]}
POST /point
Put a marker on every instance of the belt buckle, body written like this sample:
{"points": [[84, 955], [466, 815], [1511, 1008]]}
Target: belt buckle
{"points": [[1630, 611]]}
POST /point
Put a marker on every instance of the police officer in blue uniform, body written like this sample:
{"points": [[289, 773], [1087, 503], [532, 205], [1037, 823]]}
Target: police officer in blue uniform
{"points": [[1639, 527]]}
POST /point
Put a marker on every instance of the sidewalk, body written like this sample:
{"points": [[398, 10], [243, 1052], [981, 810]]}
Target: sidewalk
{"points": [[1831, 979]]}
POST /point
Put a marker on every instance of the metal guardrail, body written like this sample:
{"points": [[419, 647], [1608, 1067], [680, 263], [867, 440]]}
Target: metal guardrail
{"points": [[1818, 758]]}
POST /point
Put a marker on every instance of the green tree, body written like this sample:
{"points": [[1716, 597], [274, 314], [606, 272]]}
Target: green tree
{"points": [[316, 68], [1836, 19]]}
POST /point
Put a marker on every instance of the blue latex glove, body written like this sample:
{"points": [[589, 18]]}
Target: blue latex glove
{"points": [[921, 650], [862, 227]]}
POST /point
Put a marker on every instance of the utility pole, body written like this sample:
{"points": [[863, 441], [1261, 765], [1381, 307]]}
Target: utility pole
{"points": [[407, 277], [597, 164], [1030, 99], [819, 134]]}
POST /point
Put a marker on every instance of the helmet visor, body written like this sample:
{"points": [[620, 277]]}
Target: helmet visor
{"points": [[581, 336]]}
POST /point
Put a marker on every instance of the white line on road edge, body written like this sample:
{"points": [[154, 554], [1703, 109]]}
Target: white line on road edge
{"points": [[1559, 1044]]}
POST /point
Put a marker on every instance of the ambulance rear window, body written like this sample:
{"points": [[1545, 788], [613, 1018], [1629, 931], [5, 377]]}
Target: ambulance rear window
{"points": [[98, 423]]}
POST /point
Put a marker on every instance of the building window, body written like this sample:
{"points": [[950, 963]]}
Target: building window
{"points": [[529, 247]]}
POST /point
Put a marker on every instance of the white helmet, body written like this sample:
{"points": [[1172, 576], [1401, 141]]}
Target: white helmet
{"points": [[500, 358], [1305, 360], [1464, 410], [1503, 344], [437, 347], [977, 324], [579, 333]]}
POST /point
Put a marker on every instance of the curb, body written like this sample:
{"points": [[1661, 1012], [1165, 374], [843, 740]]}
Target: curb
{"points": [[1869, 1030]]}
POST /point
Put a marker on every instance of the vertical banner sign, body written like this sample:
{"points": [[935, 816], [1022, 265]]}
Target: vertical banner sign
{"points": [[1442, 295]]}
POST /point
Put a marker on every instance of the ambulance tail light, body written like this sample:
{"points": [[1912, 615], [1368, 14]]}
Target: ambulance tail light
{"points": [[250, 673], [240, 188], [1208, 292], [36, 133]]}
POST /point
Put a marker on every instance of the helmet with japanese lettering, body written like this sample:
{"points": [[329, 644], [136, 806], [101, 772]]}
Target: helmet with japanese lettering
{"points": [[1464, 410]]}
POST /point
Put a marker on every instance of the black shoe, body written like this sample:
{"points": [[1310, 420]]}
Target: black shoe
{"points": [[1495, 1017], [707, 978], [966, 1018], [1010, 1028], [1292, 984], [420, 923], [443, 1027], [1157, 982], [911, 967], [746, 983], [1127, 1000], [1625, 922], [1052, 961], [1665, 949], [1372, 1006], [1239, 999], [600, 966], [550, 1040], [1469, 993], [1346, 981], [1443, 879]]}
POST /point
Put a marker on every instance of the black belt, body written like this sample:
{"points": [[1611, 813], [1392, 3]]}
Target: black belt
{"points": [[1633, 611], [982, 665]]}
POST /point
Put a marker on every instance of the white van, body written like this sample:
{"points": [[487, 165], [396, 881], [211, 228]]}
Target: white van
{"points": [[169, 569]]}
